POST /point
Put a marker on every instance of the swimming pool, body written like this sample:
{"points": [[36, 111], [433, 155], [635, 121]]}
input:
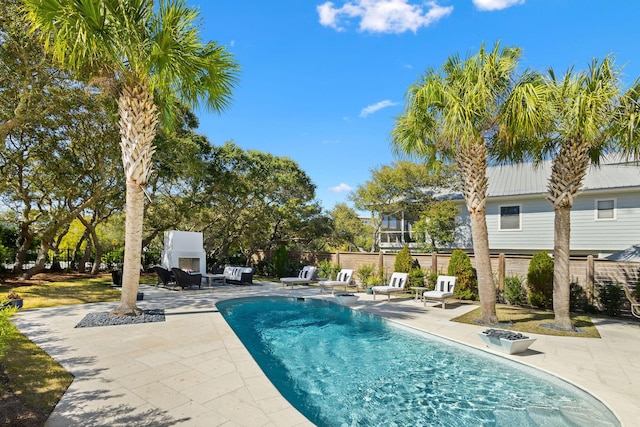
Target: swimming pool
{"points": [[343, 367]]}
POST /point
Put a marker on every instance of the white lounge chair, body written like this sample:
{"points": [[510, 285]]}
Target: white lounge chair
{"points": [[445, 285], [397, 283], [343, 279], [635, 305], [305, 277]]}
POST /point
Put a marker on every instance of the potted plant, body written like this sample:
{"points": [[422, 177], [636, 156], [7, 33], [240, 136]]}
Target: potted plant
{"points": [[366, 274], [374, 280], [13, 300]]}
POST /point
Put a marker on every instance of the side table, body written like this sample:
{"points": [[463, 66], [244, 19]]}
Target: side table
{"points": [[419, 290]]}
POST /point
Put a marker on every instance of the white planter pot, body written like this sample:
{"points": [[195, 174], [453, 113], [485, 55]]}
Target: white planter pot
{"points": [[505, 345]]}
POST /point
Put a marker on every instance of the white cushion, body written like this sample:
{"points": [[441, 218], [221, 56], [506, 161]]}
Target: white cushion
{"points": [[437, 294]]}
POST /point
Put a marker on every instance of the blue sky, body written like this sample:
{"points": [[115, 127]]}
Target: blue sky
{"points": [[322, 82]]}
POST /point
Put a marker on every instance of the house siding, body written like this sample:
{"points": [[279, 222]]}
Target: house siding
{"points": [[605, 236], [535, 233], [588, 235]]}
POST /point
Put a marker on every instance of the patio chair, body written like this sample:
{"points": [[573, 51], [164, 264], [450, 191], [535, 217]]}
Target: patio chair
{"points": [[635, 305], [187, 280], [397, 283], [445, 285], [343, 279], [165, 277], [305, 277]]}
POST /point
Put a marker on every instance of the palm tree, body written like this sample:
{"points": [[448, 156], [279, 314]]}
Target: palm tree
{"points": [[575, 121], [153, 57], [450, 115]]}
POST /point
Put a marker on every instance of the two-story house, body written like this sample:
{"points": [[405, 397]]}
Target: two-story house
{"points": [[605, 217]]}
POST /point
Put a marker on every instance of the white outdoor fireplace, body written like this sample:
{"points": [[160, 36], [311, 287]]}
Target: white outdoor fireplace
{"points": [[185, 250]]}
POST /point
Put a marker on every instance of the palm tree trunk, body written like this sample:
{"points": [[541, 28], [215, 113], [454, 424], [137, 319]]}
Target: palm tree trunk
{"points": [[561, 273], [568, 170], [138, 119], [472, 162], [132, 251], [482, 256]]}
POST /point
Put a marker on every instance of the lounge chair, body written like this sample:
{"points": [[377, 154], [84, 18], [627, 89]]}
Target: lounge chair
{"points": [[343, 279], [445, 286], [187, 280], [397, 283], [635, 305], [165, 277], [305, 277]]}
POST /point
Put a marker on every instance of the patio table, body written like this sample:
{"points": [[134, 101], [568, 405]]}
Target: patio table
{"points": [[210, 278]]}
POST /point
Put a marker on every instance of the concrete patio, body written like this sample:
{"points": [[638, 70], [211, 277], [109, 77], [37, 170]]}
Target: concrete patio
{"points": [[191, 370]]}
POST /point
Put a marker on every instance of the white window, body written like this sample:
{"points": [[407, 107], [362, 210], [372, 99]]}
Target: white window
{"points": [[510, 217], [606, 209]]}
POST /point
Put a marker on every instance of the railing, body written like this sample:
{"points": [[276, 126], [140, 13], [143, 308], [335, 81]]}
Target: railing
{"points": [[396, 238]]}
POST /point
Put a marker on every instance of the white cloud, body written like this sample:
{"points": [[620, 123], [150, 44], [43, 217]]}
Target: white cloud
{"points": [[496, 4], [375, 107], [383, 16], [341, 188]]}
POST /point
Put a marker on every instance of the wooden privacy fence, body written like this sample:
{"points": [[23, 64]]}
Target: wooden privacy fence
{"points": [[588, 272]]}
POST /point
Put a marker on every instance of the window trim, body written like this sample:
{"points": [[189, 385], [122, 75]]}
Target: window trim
{"points": [[519, 206], [597, 211]]}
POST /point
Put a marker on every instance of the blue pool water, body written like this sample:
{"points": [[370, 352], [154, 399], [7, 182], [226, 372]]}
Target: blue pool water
{"points": [[343, 367]]}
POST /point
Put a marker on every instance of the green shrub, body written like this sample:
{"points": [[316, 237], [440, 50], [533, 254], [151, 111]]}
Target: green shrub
{"points": [[514, 293], [416, 278], [6, 329], [466, 285], [403, 262], [281, 262], [431, 280], [540, 280], [366, 274], [377, 279], [611, 299], [537, 299], [577, 298], [328, 270], [466, 278]]}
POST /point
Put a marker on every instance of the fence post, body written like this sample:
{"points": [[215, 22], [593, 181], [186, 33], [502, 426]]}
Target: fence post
{"points": [[591, 270], [380, 263], [434, 263], [338, 257], [501, 271]]}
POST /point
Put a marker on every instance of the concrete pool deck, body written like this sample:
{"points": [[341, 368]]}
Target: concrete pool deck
{"points": [[191, 370]]}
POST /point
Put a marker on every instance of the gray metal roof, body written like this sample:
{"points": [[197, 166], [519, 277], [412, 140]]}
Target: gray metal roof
{"points": [[527, 179]]}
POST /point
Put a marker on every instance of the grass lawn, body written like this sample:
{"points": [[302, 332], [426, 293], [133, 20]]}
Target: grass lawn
{"points": [[530, 320], [31, 382], [32, 385]]}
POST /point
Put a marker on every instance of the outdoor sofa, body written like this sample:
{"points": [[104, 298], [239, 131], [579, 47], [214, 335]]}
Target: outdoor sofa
{"points": [[242, 275]]}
